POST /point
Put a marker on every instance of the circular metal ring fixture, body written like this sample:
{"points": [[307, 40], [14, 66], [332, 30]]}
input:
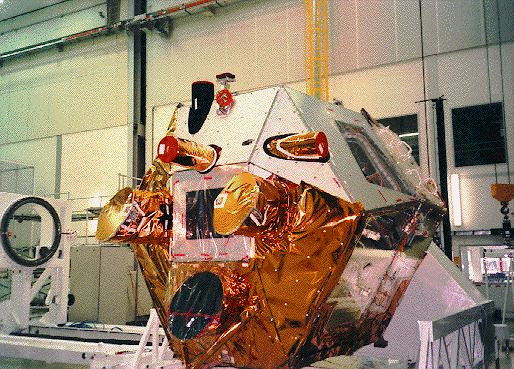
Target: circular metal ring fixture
{"points": [[30, 231], [196, 304]]}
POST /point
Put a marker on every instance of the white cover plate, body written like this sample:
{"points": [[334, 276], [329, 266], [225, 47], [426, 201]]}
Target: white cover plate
{"points": [[243, 123]]}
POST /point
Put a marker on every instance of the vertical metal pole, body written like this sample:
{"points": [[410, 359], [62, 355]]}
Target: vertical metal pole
{"points": [[137, 97], [137, 113], [443, 172], [139, 44]]}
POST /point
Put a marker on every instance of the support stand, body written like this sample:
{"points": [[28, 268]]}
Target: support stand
{"points": [[457, 340], [153, 356]]}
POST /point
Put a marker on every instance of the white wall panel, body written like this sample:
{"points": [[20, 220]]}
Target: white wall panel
{"points": [[46, 13], [495, 71], [408, 28], [460, 24], [491, 20], [92, 160], [83, 88], [271, 46], [41, 154], [261, 43], [343, 49], [383, 91], [295, 37], [450, 25], [376, 34], [505, 19], [463, 77], [467, 78], [371, 33], [430, 27], [239, 48], [54, 28]]}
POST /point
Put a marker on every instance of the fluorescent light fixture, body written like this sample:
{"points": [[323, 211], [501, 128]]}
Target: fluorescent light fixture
{"points": [[456, 204], [408, 134]]}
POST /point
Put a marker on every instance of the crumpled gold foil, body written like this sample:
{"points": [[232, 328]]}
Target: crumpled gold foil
{"points": [[193, 155], [298, 294], [137, 216], [155, 263], [143, 214], [303, 240]]}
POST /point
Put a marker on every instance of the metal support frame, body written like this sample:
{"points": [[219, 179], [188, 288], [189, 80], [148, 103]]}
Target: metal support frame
{"points": [[461, 340], [23, 291], [158, 355], [15, 312], [151, 352]]}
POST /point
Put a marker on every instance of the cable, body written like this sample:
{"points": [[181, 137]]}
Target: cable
{"points": [[502, 88], [487, 53]]}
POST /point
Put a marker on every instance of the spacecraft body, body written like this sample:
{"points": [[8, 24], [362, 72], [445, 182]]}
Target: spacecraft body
{"points": [[291, 231]]}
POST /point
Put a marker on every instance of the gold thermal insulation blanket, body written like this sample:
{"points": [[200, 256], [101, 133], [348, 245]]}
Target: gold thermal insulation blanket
{"points": [[316, 278], [137, 216], [187, 153], [311, 286], [303, 239]]}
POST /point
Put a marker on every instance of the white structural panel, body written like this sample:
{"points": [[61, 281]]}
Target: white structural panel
{"points": [[263, 114], [231, 132], [437, 289], [322, 116], [286, 118]]}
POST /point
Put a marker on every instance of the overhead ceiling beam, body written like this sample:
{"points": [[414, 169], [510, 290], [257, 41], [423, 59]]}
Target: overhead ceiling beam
{"points": [[158, 21]]}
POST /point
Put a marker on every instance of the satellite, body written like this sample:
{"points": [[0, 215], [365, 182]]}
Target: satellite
{"points": [[274, 229]]}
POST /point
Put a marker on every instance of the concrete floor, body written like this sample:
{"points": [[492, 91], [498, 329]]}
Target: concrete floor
{"points": [[354, 362], [15, 363], [340, 362]]}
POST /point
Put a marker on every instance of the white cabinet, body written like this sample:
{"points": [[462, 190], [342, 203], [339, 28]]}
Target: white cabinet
{"points": [[105, 285]]}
